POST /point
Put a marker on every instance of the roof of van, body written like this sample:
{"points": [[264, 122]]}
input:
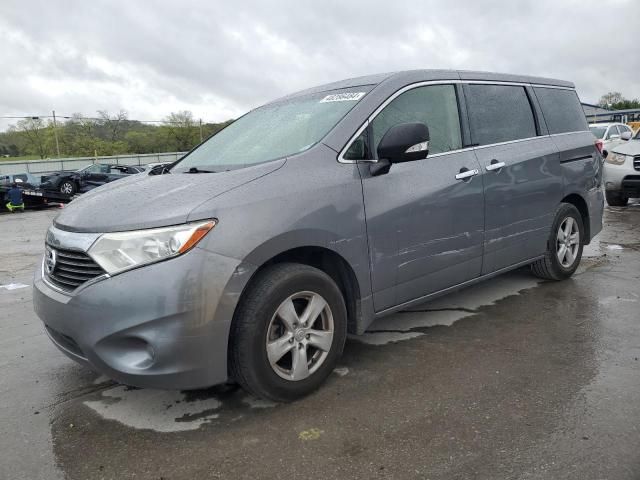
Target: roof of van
{"points": [[412, 76]]}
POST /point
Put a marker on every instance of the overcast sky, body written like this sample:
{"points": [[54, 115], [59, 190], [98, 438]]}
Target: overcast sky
{"points": [[219, 59]]}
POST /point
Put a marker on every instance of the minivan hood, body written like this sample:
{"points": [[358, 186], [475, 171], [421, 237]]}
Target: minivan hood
{"points": [[631, 147], [148, 201]]}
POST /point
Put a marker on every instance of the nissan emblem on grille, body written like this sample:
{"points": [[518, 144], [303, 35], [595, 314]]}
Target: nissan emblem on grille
{"points": [[67, 269], [50, 260]]}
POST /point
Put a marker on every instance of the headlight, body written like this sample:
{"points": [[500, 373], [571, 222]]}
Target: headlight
{"points": [[615, 158], [120, 251]]}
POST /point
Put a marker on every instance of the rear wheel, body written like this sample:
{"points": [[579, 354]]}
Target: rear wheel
{"points": [[564, 247], [288, 333], [68, 187], [616, 199]]}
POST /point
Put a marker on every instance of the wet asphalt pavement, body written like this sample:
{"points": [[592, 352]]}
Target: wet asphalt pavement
{"points": [[513, 378]]}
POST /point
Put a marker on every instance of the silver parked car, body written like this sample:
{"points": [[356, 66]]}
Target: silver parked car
{"points": [[622, 172], [311, 216]]}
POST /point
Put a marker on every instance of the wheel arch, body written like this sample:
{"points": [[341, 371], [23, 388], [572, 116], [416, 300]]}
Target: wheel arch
{"points": [[580, 203], [330, 262]]}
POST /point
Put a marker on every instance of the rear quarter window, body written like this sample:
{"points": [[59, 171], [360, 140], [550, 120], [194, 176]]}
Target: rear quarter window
{"points": [[561, 110], [499, 113]]}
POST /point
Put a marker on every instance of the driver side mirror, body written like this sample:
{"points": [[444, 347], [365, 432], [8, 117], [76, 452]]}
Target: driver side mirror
{"points": [[404, 142], [626, 135]]}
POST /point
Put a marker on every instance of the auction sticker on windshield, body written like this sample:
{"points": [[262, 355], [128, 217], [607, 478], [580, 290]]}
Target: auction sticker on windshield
{"points": [[343, 97]]}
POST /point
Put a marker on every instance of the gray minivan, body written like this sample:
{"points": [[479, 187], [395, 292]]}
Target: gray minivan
{"points": [[251, 258]]}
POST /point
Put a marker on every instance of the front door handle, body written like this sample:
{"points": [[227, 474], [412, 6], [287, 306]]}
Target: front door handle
{"points": [[465, 173], [494, 165]]}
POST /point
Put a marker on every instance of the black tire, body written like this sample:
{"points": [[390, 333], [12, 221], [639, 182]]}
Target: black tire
{"points": [[616, 199], [550, 267], [68, 187], [248, 360]]}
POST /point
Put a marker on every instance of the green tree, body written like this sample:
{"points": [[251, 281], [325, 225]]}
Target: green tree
{"points": [[182, 131], [609, 99], [616, 101], [626, 104], [105, 135], [112, 124], [34, 133]]}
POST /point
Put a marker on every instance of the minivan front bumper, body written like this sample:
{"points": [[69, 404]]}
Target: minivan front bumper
{"points": [[165, 325]]}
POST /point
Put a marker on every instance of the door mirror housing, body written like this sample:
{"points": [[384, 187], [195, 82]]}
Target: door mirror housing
{"points": [[404, 142], [625, 135]]}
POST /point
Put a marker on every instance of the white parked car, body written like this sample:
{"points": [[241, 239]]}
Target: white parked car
{"points": [[611, 134], [622, 172]]}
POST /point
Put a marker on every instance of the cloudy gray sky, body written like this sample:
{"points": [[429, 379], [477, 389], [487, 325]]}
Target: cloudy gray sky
{"points": [[219, 59]]}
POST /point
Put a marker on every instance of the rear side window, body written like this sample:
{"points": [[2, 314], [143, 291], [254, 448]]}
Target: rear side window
{"points": [[434, 105], [499, 113], [562, 110]]}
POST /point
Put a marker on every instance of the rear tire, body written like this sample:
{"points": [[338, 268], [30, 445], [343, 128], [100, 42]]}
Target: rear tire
{"points": [[564, 247], [288, 332], [616, 199]]}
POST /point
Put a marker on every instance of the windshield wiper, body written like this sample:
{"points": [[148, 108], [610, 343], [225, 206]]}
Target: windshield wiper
{"points": [[197, 170]]}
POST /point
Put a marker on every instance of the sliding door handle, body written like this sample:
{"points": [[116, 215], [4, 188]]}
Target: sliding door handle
{"points": [[465, 173], [494, 165]]}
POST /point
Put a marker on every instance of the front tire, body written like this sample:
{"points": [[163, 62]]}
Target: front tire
{"points": [[564, 247], [288, 332], [616, 199]]}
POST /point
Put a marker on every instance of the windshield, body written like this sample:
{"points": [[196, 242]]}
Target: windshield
{"points": [[273, 131], [93, 168], [598, 131]]}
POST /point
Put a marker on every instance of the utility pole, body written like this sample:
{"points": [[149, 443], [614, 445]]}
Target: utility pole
{"points": [[200, 130], [55, 133]]}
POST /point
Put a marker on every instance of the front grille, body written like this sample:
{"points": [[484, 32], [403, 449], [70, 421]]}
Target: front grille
{"points": [[71, 268], [636, 162]]}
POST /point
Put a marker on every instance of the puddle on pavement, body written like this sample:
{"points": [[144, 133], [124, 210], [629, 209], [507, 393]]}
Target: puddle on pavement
{"points": [[168, 411], [158, 410], [446, 310], [14, 286]]}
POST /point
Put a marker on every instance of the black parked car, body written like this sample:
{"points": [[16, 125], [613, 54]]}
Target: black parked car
{"points": [[87, 178]]}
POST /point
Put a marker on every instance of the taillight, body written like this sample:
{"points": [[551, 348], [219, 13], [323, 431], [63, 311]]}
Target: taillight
{"points": [[600, 146]]}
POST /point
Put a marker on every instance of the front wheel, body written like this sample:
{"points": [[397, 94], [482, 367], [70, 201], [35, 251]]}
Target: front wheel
{"points": [[288, 332], [68, 187], [564, 247], [616, 199]]}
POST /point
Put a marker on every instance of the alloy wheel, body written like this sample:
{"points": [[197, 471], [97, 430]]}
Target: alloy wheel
{"points": [[567, 242], [299, 336]]}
